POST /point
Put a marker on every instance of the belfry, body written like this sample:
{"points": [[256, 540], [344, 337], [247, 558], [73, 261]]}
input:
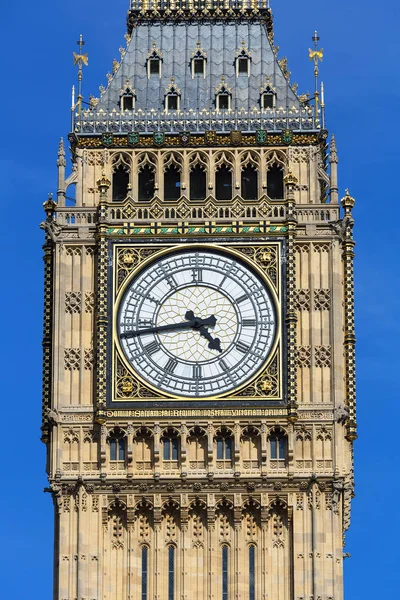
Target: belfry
{"points": [[199, 370]]}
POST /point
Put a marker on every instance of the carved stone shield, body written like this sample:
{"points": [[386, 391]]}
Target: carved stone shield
{"points": [[287, 136], [261, 136], [133, 138], [159, 138], [107, 139]]}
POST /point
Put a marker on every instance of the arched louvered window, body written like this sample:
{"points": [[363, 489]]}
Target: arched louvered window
{"points": [[252, 572], [146, 184], [120, 182], [171, 572], [145, 557], [249, 183], [172, 183], [275, 182], [197, 183], [225, 572], [223, 183]]}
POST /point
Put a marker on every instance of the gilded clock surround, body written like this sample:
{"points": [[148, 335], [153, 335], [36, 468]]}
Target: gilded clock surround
{"points": [[130, 259]]}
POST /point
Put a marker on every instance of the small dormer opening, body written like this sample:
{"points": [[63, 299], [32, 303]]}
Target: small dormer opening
{"points": [[198, 66], [268, 100], [127, 102], [172, 102], [243, 66], [154, 66], [242, 60], [223, 102]]}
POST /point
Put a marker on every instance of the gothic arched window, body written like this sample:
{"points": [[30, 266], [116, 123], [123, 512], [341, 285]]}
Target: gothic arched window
{"points": [[252, 572], [117, 448], [278, 445], [198, 183], [275, 189], [146, 183], [171, 572], [224, 448], [225, 572], [120, 183], [249, 183], [170, 442], [172, 183], [145, 553], [223, 183]]}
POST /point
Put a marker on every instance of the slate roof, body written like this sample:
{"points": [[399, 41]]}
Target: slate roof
{"points": [[176, 42], [176, 30]]}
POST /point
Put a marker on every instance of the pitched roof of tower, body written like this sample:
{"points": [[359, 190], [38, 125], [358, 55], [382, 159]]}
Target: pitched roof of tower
{"points": [[221, 31]]}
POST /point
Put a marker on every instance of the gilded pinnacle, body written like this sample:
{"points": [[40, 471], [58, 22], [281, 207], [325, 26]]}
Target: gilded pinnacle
{"points": [[49, 206], [290, 179], [103, 183], [348, 201]]}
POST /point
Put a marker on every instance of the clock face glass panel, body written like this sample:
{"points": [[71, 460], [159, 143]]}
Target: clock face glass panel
{"points": [[218, 321]]}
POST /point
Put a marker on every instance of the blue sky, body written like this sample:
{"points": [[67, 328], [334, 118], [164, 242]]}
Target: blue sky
{"points": [[361, 43]]}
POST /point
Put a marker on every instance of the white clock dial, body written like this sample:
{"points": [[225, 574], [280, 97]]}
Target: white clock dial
{"points": [[196, 323]]}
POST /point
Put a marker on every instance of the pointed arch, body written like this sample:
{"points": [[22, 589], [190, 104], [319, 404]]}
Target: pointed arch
{"points": [[121, 170]]}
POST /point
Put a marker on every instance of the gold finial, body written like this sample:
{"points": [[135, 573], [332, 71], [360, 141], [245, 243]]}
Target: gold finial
{"points": [[80, 59], [290, 179], [115, 66], [198, 44], [103, 183], [316, 55], [348, 202], [49, 206]]}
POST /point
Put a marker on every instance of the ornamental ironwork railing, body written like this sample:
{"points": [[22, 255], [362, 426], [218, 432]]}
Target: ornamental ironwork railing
{"points": [[172, 5], [196, 121], [186, 211]]}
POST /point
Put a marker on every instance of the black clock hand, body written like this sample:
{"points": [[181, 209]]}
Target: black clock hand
{"points": [[214, 343], [194, 323]]}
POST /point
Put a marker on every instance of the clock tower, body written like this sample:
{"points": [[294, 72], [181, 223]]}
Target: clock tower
{"points": [[199, 383]]}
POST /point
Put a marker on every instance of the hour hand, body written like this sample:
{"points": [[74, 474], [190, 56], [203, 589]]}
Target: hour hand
{"points": [[214, 343]]}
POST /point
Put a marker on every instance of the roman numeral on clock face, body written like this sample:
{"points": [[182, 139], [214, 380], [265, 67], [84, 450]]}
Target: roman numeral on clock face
{"points": [[241, 299], [223, 365], [197, 372], [171, 365], [151, 348], [249, 323], [242, 347]]}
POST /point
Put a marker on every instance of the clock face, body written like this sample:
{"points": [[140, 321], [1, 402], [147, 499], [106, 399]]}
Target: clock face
{"points": [[196, 323]]}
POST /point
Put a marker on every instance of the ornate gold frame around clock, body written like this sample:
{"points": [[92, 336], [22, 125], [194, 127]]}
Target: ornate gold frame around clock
{"points": [[126, 386]]}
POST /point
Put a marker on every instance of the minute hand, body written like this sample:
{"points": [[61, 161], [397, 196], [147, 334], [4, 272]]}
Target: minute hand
{"points": [[192, 324]]}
